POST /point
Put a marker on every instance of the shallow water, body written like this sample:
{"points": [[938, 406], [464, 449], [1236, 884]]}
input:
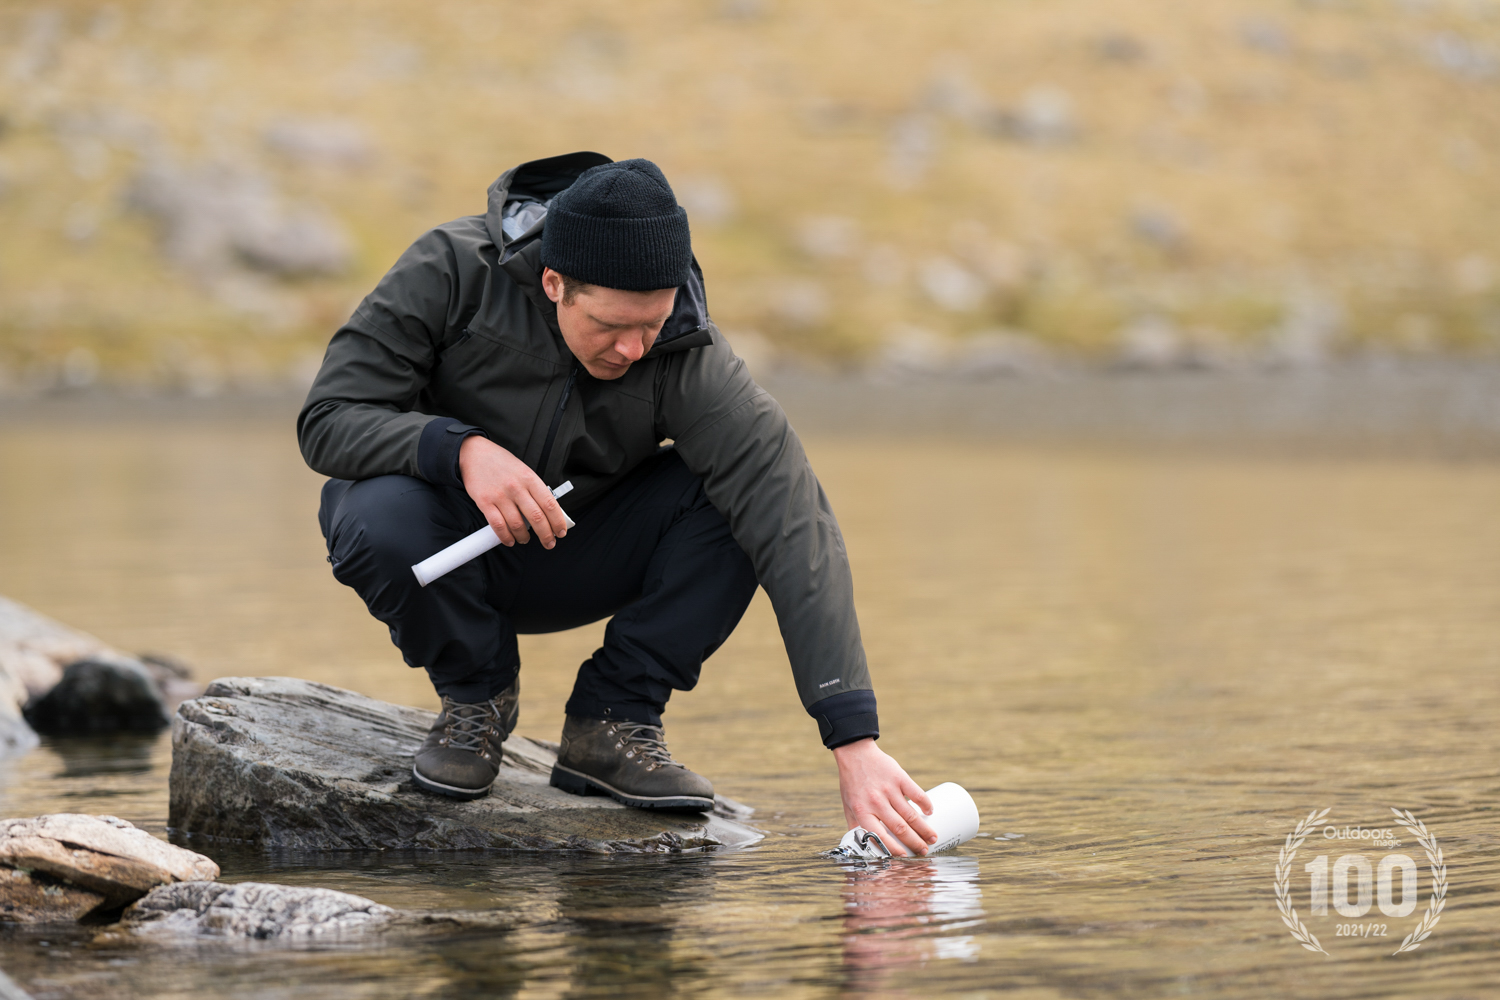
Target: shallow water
{"points": [[1149, 667]]}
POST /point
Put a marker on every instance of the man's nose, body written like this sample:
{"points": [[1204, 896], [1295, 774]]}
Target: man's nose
{"points": [[630, 348]]}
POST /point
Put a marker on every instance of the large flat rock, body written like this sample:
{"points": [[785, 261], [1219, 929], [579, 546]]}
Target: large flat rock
{"points": [[291, 763]]}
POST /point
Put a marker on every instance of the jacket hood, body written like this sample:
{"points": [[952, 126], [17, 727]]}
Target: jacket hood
{"points": [[519, 198], [516, 216]]}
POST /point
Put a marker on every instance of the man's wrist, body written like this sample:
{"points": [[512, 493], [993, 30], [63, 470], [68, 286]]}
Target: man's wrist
{"points": [[850, 750], [438, 450]]}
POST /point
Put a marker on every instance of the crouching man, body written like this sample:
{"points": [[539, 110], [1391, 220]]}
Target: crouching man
{"points": [[564, 336]]}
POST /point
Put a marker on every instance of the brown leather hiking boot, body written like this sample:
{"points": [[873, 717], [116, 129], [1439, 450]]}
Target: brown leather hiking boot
{"points": [[462, 752], [629, 762]]}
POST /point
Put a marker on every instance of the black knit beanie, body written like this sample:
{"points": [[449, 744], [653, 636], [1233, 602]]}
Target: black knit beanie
{"points": [[619, 226]]}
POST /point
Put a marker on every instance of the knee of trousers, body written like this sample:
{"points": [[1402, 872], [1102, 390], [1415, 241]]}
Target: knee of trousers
{"points": [[382, 526]]}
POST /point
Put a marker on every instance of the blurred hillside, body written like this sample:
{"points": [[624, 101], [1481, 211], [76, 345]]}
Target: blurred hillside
{"points": [[195, 195]]}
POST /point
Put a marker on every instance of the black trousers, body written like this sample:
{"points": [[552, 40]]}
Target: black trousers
{"points": [[654, 553]]}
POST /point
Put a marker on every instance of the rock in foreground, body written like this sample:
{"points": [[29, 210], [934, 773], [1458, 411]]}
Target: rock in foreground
{"points": [[292, 763], [256, 910], [266, 911], [68, 866]]}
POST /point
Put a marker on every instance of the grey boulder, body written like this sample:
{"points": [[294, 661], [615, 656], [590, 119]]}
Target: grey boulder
{"points": [[256, 910], [267, 911], [292, 763]]}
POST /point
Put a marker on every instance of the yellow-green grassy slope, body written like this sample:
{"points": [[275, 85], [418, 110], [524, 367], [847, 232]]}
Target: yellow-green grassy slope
{"points": [[1074, 162]]}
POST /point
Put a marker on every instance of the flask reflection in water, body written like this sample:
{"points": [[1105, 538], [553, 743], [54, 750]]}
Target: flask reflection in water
{"points": [[954, 817]]}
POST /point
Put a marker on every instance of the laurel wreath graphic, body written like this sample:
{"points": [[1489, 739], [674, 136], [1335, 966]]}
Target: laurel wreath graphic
{"points": [[1294, 923], [1439, 899]]}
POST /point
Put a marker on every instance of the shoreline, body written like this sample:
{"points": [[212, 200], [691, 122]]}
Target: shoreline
{"points": [[1443, 407]]}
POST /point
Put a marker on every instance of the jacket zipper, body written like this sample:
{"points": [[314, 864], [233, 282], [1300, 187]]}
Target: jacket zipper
{"points": [[562, 404]]}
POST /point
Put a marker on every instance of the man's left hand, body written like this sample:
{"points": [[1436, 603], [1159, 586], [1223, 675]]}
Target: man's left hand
{"points": [[876, 792]]}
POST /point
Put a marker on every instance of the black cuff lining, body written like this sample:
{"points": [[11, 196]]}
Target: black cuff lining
{"points": [[437, 450], [844, 718]]}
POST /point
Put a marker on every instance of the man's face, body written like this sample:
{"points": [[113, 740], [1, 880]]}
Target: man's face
{"points": [[608, 329]]}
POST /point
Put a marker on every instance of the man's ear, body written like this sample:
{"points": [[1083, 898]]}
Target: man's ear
{"points": [[552, 284]]}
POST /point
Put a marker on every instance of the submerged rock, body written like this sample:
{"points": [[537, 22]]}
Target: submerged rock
{"points": [[67, 866], [267, 911], [293, 763], [256, 910]]}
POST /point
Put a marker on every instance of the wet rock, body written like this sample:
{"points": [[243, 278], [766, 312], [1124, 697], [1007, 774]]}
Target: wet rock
{"points": [[30, 898], [256, 910], [291, 763], [97, 696], [112, 692], [77, 865], [267, 911]]}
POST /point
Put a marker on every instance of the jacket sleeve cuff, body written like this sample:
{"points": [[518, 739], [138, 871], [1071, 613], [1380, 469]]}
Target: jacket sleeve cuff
{"points": [[844, 718], [437, 450]]}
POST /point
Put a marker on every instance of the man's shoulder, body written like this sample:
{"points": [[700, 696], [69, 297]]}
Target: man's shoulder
{"points": [[460, 239]]}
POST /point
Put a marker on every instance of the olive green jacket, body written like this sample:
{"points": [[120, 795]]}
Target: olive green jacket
{"points": [[459, 338]]}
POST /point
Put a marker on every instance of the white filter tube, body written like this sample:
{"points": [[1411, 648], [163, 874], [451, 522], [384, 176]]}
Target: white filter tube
{"points": [[954, 817], [470, 547]]}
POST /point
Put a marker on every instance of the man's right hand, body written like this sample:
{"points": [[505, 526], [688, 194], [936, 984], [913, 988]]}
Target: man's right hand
{"points": [[512, 498]]}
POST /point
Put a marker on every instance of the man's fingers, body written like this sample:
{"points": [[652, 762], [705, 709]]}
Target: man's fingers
{"points": [[909, 838], [913, 791], [497, 524], [513, 519], [537, 520], [922, 827], [888, 837], [550, 509]]}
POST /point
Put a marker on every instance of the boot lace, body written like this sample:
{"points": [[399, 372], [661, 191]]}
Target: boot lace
{"points": [[647, 742], [470, 725]]}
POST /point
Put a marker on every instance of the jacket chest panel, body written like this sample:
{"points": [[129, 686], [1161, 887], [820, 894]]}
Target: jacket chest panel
{"points": [[608, 432], [493, 385]]}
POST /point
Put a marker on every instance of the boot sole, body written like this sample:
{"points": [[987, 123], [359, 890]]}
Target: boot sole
{"points": [[452, 791], [578, 783]]}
